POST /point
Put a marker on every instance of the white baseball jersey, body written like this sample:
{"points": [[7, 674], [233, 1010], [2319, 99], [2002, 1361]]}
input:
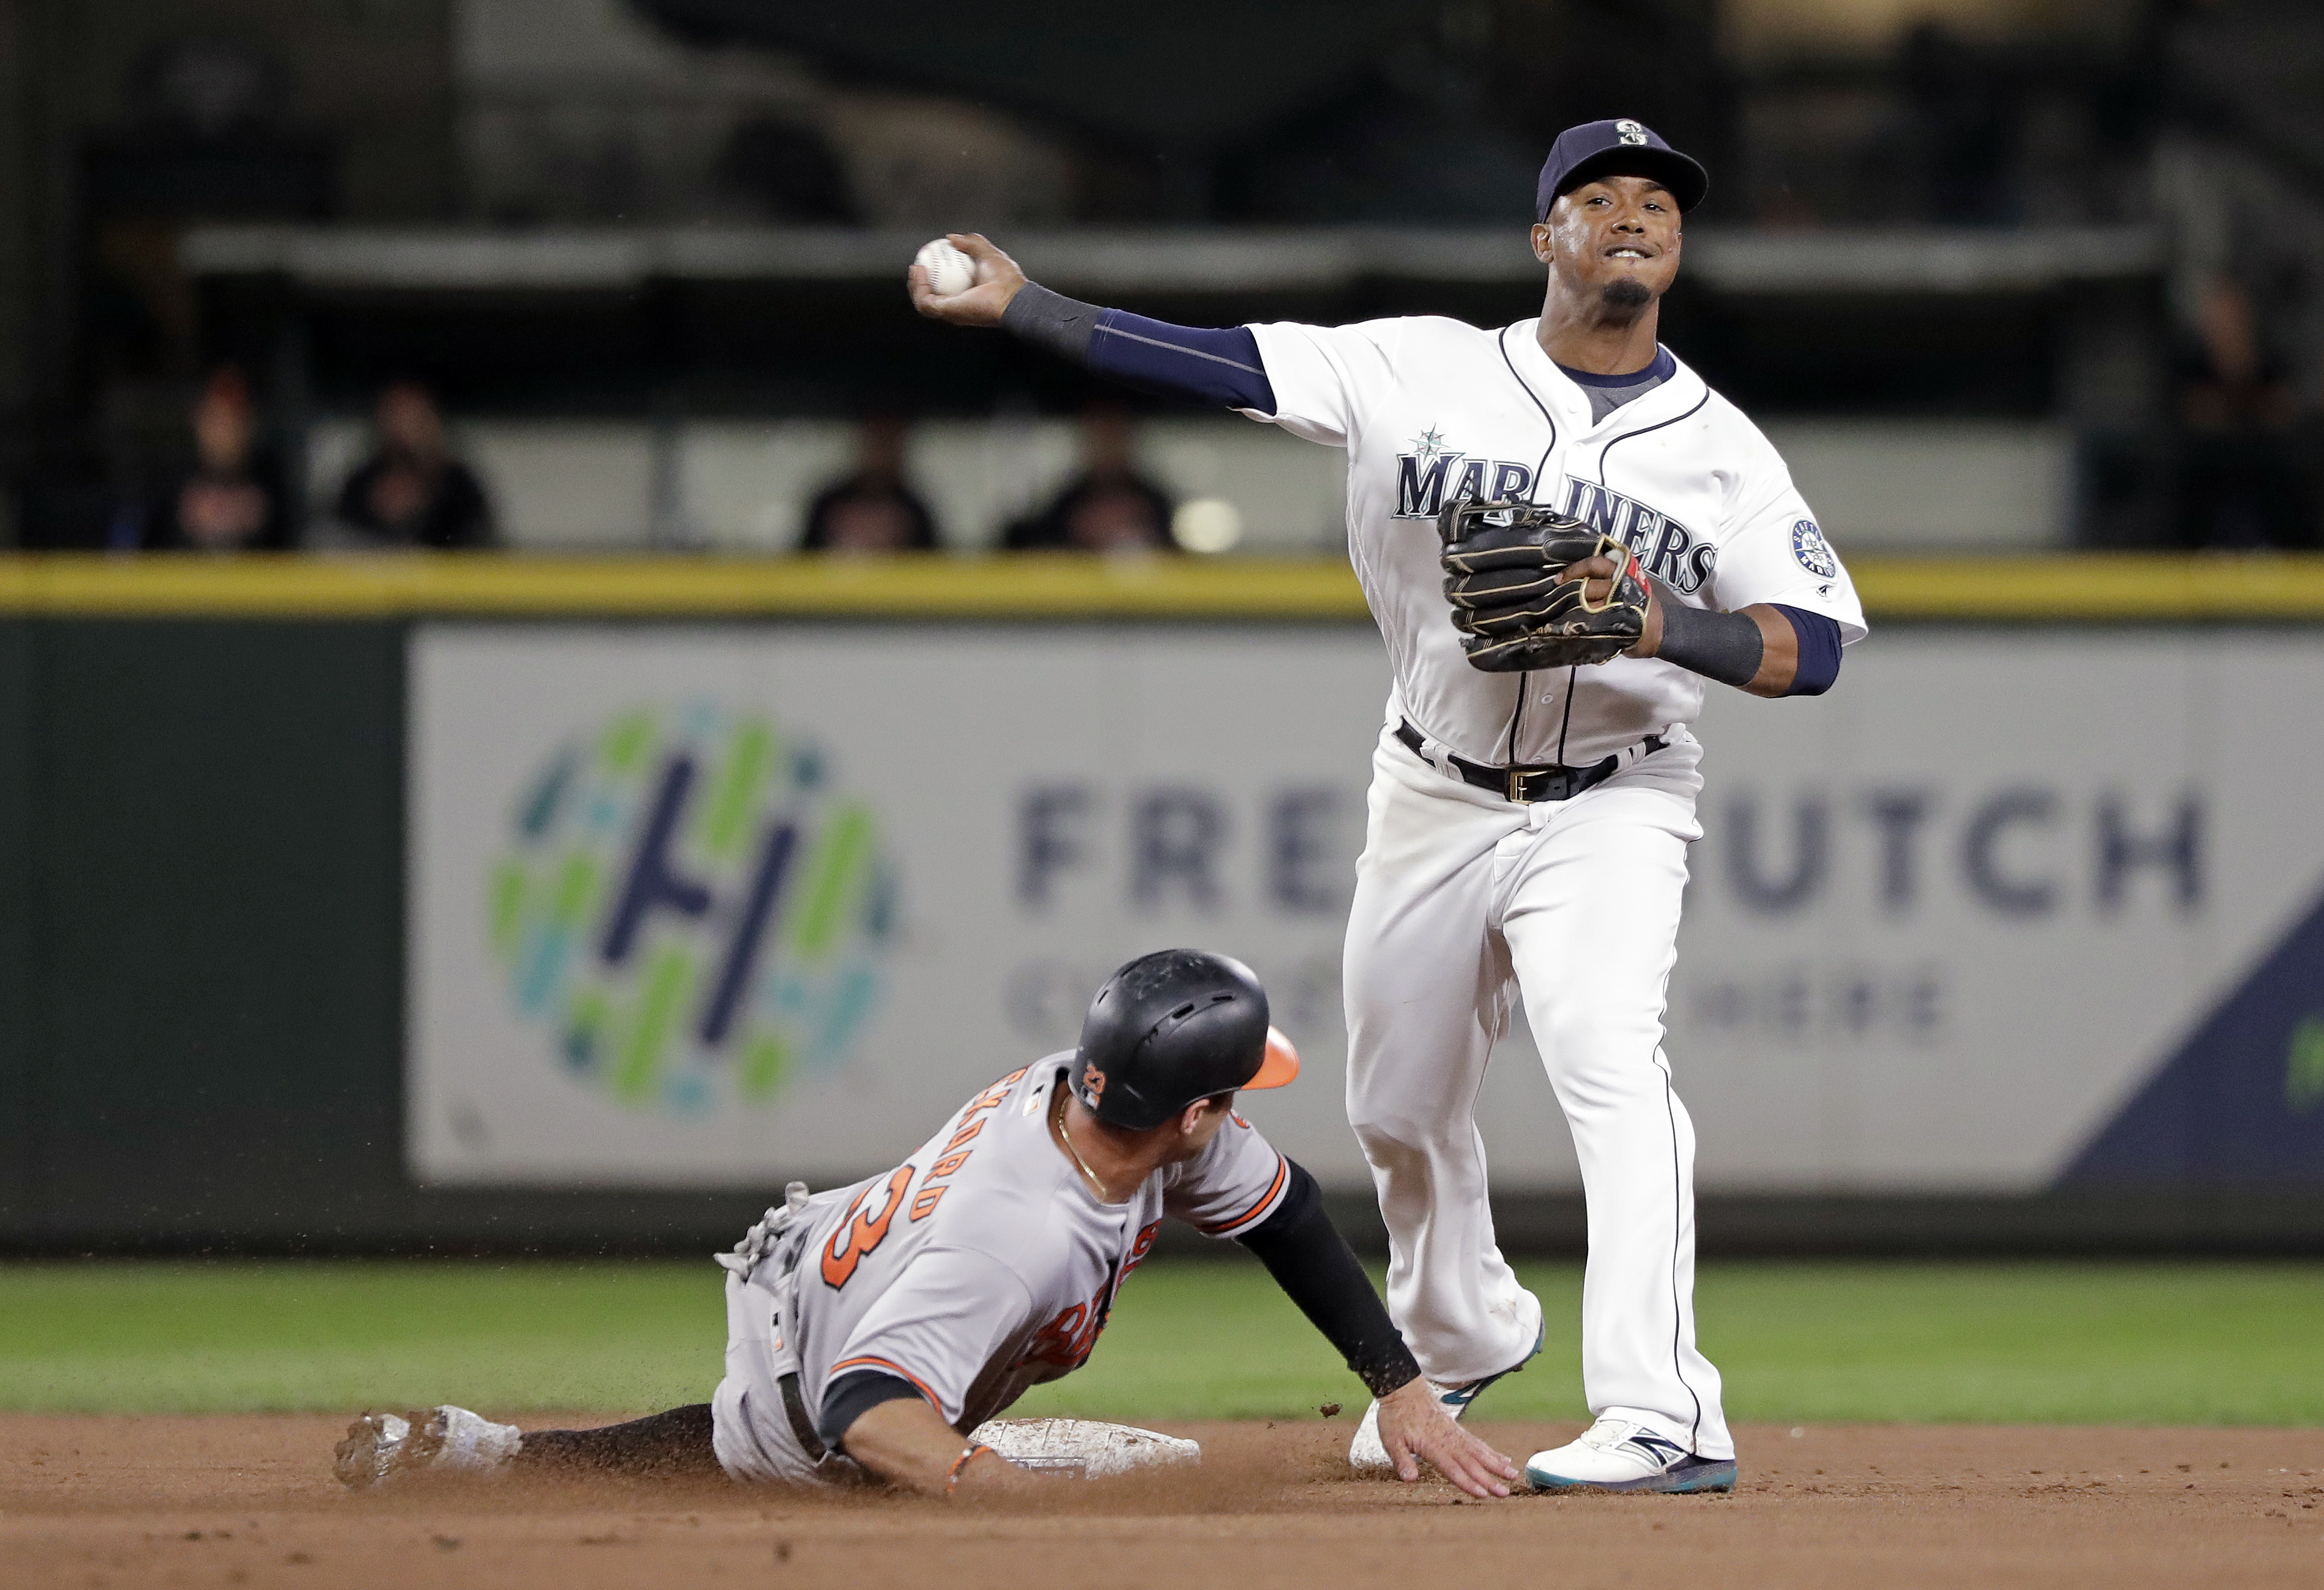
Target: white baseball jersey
{"points": [[1431, 410], [983, 1265]]}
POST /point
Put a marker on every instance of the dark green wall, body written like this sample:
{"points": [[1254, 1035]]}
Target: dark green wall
{"points": [[200, 972], [16, 1190], [213, 920]]}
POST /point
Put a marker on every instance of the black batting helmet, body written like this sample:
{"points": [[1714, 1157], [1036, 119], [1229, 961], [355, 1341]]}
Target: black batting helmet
{"points": [[1172, 1027]]}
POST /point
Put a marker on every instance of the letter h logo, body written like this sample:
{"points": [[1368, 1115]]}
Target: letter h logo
{"points": [[654, 885]]}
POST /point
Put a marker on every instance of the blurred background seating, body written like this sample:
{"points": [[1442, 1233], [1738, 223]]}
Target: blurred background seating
{"points": [[411, 491], [229, 496], [1108, 505], [1994, 274], [873, 507]]}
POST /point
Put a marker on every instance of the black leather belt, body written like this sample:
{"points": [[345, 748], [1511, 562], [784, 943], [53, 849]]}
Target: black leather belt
{"points": [[802, 1428], [1555, 782]]}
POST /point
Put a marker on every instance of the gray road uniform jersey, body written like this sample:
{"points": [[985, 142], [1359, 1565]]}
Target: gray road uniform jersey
{"points": [[981, 1266], [1432, 409]]}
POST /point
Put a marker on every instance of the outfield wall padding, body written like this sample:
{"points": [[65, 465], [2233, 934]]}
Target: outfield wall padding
{"points": [[202, 982], [200, 988]]}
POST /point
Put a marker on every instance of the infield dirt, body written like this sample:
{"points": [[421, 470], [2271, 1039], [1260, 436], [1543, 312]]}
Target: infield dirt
{"points": [[104, 1503]]}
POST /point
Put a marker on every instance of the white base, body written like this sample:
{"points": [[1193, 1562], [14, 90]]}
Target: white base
{"points": [[1088, 1447]]}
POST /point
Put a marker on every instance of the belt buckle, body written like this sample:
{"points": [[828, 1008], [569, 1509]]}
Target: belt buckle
{"points": [[1516, 778]]}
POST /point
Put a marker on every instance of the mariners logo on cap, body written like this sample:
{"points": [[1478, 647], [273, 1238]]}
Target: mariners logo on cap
{"points": [[1630, 131]]}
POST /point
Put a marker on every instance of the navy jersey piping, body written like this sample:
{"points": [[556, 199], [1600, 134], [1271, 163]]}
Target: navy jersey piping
{"points": [[1643, 430], [1533, 496]]}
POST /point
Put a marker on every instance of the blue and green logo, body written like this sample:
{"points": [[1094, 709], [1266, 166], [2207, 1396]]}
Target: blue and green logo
{"points": [[691, 910]]}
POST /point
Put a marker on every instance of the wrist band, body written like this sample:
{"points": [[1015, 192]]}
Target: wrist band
{"points": [[1723, 645], [1384, 1379], [967, 1454], [1051, 321]]}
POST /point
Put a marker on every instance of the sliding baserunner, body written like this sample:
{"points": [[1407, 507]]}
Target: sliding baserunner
{"points": [[873, 1332]]}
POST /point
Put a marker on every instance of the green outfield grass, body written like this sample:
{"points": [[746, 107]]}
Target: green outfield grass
{"points": [[2129, 1343]]}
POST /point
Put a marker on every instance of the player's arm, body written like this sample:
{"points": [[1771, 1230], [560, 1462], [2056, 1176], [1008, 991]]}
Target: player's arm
{"points": [[1312, 1263], [1219, 366], [1766, 648], [906, 1442], [897, 1388]]}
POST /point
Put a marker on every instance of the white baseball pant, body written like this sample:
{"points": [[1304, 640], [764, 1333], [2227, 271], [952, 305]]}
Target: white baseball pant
{"points": [[1463, 897]]}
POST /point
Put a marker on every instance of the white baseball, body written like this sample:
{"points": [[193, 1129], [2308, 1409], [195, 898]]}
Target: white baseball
{"points": [[949, 270]]}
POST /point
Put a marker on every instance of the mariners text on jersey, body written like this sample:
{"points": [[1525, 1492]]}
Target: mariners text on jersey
{"points": [[1430, 409], [1427, 479]]}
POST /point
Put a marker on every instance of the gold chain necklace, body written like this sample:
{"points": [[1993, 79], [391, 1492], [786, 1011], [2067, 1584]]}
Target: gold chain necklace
{"points": [[1057, 1119]]}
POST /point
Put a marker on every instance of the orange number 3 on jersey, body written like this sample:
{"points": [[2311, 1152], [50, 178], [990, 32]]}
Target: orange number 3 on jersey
{"points": [[859, 1233]]}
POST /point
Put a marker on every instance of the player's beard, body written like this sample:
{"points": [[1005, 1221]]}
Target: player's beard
{"points": [[1628, 293]]}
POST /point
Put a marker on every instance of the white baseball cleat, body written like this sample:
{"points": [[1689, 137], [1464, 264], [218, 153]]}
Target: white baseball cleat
{"points": [[1085, 1446], [1367, 1454], [1617, 1454], [444, 1441]]}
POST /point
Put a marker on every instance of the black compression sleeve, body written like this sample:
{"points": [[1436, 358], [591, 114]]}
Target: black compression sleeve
{"points": [[852, 1396], [1051, 321], [1312, 1262], [1723, 645]]}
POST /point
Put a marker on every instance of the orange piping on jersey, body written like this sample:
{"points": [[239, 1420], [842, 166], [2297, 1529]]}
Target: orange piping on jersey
{"points": [[1282, 1173], [866, 1361]]}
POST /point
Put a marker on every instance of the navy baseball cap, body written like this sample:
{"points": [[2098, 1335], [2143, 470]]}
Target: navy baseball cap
{"points": [[1598, 148]]}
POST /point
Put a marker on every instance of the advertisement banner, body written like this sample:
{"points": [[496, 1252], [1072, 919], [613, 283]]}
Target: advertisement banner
{"points": [[715, 907]]}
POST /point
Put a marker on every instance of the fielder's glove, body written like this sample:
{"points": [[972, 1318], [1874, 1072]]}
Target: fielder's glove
{"points": [[1501, 563]]}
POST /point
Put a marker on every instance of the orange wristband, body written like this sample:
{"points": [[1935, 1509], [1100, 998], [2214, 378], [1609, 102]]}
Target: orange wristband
{"points": [[967, 1455]]}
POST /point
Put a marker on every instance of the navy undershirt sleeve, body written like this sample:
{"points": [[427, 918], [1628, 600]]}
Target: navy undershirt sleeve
{"points": [[852, 1396], [1219, 366], [1819, 640]]}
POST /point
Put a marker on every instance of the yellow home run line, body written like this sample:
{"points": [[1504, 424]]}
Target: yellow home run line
{"points": [[2085, 587]]}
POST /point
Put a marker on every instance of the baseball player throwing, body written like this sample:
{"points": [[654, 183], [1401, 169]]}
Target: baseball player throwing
{"points": [[1562, 532], [875, 1330]]}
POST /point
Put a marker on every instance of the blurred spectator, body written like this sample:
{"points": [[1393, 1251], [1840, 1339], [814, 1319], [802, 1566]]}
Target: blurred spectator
{"points": [[2240, 484], [412, 492], [232, 498], [872, 509], [1109, 507]]}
